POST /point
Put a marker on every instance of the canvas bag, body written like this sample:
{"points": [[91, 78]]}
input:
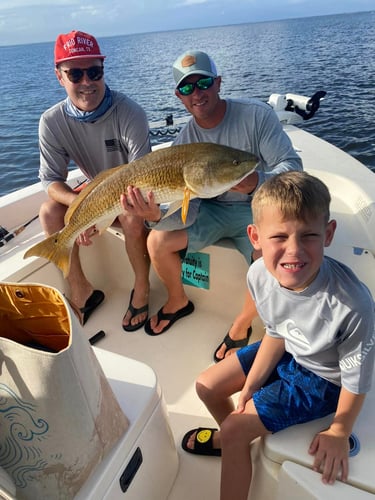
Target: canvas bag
{"points": [[58, 414]]}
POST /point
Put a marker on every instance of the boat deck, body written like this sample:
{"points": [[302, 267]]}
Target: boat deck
{"points": [[177, 356]]}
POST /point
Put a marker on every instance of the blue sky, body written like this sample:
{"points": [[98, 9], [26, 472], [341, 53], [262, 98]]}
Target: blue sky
{"points": [[29, 21]]}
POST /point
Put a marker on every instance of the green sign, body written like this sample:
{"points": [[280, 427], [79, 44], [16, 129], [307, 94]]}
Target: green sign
{"points": [[196, 270]]}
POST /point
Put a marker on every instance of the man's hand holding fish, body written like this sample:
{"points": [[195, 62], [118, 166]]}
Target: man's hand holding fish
{"points": [[134, 203]]}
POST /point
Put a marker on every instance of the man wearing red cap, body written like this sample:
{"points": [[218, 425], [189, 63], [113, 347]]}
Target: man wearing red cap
{"points": [[96, 128]]}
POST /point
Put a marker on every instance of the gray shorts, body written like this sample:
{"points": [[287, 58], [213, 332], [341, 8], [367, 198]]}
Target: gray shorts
{"points": [[209, 221]]}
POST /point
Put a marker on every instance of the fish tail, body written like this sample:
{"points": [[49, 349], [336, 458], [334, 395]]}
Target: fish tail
{"points": [[53, 250]]}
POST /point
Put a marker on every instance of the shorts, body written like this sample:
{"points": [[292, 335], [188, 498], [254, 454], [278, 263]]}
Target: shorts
{"points": [[209, 221], [292, 394], [174, 222], [217, 220]]}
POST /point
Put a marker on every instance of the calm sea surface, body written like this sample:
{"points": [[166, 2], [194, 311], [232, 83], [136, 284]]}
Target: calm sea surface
{"points": [[301, 56]]}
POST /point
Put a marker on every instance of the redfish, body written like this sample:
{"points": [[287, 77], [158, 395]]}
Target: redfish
{"points": [[174, 174]]}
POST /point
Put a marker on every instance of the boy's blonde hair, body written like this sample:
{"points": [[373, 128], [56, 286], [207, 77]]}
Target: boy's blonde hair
{"points": [[298, 195]]}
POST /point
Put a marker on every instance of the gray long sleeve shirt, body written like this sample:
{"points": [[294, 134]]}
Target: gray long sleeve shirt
{"points": [[120, 136]]}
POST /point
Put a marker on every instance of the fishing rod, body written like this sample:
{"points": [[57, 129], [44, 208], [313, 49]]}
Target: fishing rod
{"points": [[6, 236]]}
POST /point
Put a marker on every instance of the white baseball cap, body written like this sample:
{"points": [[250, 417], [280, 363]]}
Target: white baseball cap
{"points": [[193, 62]]}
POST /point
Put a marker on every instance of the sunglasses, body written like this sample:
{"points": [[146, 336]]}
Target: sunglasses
{"points": [[75, 75], [201, 84]]}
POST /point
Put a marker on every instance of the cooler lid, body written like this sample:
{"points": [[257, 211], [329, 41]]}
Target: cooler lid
{"points": [[134, 383], [138, 393]]}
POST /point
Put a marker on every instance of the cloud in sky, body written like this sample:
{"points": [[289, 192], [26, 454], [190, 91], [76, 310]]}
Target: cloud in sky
{"points": [[28, 21]]}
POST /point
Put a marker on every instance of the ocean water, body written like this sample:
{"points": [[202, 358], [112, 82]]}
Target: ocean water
{"points": [[301, 56]]}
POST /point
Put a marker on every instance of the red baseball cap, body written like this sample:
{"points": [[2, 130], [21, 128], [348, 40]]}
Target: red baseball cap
{"points": [[76, 45]]}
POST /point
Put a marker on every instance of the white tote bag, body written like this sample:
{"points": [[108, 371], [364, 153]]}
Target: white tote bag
{"points": [[58, 414]]}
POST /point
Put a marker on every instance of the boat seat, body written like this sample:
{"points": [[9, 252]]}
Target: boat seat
{"points": [[296, 482], [223, 242], [277, 447]]}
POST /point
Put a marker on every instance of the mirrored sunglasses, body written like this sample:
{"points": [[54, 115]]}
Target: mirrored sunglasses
{"points": [[75, 75], [201, 84]]}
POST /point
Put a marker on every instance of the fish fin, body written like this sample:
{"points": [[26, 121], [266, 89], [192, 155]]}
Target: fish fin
{"points": [[98, 179], [173, 207], [103, 224], [185, 204], [52, 250]]}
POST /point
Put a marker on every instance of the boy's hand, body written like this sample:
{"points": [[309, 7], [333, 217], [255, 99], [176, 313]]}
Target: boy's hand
{"points": [[331, 452], [245, 396]]}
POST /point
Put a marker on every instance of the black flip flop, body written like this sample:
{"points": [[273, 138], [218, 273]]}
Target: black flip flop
{"points": [[202, 442], [95, 299], [232, 344], [171, 317], [134, 311]]}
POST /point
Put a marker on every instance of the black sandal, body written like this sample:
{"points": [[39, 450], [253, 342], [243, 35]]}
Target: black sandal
{"points": [[95, 299], [135, 311], [202, 442], [171, 317], [232, 344]]}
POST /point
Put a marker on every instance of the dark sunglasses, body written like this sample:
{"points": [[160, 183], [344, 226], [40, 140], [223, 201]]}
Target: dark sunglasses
{"points": [[75, 75], [201, 84]]}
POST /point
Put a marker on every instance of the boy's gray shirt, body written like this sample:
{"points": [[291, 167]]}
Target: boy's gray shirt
{"points": [[328, 327], [120, 136]]}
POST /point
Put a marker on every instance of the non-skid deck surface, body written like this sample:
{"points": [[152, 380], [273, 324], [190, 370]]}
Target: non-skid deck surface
{"points": [[177, 357]]}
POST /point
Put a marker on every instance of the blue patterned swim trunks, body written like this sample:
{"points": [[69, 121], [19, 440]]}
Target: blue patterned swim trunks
{"points": [[292, 394]]}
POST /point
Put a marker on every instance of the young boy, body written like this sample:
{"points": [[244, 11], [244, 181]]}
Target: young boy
{"points": [[317, 316]]}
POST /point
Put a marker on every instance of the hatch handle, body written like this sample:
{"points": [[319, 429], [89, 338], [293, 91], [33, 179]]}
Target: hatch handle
{"points": [[131, 470]]}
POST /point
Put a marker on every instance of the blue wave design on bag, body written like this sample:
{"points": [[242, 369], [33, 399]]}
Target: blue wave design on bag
{"points": [[20, 431]]}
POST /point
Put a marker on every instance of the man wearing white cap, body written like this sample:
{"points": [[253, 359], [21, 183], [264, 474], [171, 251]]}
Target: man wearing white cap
{"points": [[96, 128], [249, 125]]}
